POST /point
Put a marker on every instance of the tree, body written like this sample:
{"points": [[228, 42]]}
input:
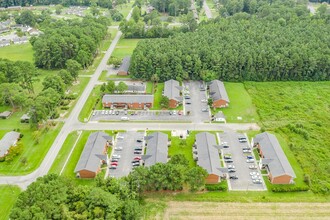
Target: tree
{"points": [[54, 82], [111, 87], [12, 94], [121, 87], [73, 67], [94, 9], [136, 14], [164, 102], [115, 61], [195, 177], [66, 77], [58, 9], [179, 159], [26, 18]]}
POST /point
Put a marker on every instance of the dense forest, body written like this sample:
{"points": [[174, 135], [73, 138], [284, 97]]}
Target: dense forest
{"points": [[173, 7], [101, 3], [69, 39], [286, 45]]}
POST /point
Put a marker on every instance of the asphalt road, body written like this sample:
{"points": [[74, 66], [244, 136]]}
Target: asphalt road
{"points": [[207, 10]]}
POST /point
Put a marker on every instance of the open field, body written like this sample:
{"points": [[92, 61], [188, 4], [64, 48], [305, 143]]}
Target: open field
{"points": [[183, 146], [92, 101], [125, 47], [14, 52], [240, 104], [8, 197], [299, 112], [210, 210]]}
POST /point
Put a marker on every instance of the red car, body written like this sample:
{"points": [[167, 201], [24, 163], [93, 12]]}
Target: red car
{"points": [[137, 158], [114, 164]]}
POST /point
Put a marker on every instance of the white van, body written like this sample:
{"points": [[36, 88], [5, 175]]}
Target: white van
{"points": [[124, 118]]}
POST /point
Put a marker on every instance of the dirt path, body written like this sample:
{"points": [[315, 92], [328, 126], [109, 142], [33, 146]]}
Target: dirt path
{"points": [[217, 210]]}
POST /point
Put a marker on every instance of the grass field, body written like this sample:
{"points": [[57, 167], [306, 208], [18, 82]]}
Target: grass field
{"points": [[8, 197], [299, 113], [33, 152], [157, 96], [92, 101], [181, 146], [240, 104], [14, 52], [125, 47], [209, 210]]}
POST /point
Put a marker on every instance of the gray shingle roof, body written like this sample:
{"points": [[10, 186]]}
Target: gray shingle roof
{"points": [[208, 155], [5, 114], [277, 162], [93, 152], [156, 148], [172, 90], [128, 98], [218, 91], [7, 141], [125, 64]]}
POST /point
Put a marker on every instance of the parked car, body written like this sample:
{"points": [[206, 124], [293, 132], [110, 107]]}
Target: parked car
{"points": [[120, 137], [253, 167], [118, 148], [231, 170], [139, 140], [114, 164], [114, 160], [242, 139], [231, 166], [254, 174], [229, 161], [249, 157], [137, 152], [247, 151], [94, 113], [233, 177], [137, 158], [180, 112], [116, 156], [174, 112], [205, 110], [124, 118], [257, 181], [135, 161], [255, 177], [227, 156], [225, 145], [187, 97], [113, 112], [204, 101], [250, 160], [102, 112], [135, 164], [188, 103], [117, 112], [113, 167]]}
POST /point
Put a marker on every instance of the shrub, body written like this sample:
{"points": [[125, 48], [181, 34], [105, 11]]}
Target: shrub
{"points": [[217, 187], [289, 188], [65, 107]]}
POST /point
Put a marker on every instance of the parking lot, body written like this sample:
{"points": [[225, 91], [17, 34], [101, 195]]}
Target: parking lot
{"points": [[124, 146], [196, 106], [247, 173]]}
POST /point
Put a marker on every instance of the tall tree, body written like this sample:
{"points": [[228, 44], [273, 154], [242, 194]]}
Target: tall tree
{"points": [[54, 82]]}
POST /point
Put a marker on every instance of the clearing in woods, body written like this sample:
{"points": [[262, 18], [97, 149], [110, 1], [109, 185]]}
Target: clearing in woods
{"points": [[216, 210]]}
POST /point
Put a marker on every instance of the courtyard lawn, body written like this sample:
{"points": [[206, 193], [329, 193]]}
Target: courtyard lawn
{"points": [[149, 87], [183, 146], [299, 113], [8, 197], [240, 104], [157, 96], [125, 47], [33, 151], [16, 52]]}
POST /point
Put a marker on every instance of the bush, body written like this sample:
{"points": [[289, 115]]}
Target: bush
{"points": [[70, 96], [222, 186], [65, 107], [289, 188]]}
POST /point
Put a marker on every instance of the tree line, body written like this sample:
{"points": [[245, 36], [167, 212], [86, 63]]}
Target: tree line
{"points": [[69, 39], [57, 197], [102, 3], [286, 45]]}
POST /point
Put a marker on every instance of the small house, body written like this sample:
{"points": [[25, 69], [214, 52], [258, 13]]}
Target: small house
{"points": [[5, 114], [123, 69], [10, 139], [218, 94], [157, 148], [172, 90]]}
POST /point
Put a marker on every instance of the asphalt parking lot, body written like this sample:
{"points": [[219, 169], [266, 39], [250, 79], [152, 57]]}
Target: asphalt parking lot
{"points": [[127, 141], [195, 99], [244, 181]]}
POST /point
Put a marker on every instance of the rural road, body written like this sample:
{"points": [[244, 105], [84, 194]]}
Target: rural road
{"points": [[207, 10], [72, 123]]}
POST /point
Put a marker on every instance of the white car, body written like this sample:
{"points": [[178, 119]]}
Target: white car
{"points": [[116, 156], [254, 174], [255, 177], [118, 148], [231, 166], [257, 181], [253, 167], [203, 100], [120, 137], [106, 112], [94, 113], [250, 160], [110, 112], [102, 112], [246, 151]]}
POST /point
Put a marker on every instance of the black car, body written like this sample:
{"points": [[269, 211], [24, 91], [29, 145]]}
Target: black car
{"points": [[233, 177], [231, 170], [135, 162], [136, 165], [117, 112], [139, 140], [229, 161], [137, 152], [138, 149], [114, 160]]}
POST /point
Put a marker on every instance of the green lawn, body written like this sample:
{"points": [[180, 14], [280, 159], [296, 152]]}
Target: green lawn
{"points": [[149, 88], [183, 146], [240, 104], [14, 52], [298, 112], [8, 197], [93, 101], [157, 96], [33, 152], [125, 47]]}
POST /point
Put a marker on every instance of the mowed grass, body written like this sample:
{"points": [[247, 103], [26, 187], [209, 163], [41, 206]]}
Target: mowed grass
{"points": [[299, 112], [158, 88], [93, 101], [183, 146], [240, 104], [33, 152], [125, 47], [16, 52], [8, 197], [212, 210]]}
